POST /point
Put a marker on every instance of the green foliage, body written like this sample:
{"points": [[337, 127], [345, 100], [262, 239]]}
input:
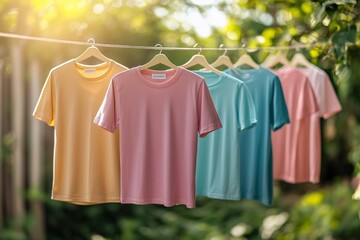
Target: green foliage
{"points": [[5, 147], [328, 213], [11, 234], [324, 214], [349, 90], [11, 231], [211, 218]]}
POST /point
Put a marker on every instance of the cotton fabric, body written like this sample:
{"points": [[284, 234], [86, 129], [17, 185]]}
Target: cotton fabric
{"points": [[218, 157], [255, 147], [328, 104], [291, 147], [86, 167], [160, 114]]}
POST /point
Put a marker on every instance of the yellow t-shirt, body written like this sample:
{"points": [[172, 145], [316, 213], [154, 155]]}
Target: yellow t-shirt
{"points": [[86, 166]]}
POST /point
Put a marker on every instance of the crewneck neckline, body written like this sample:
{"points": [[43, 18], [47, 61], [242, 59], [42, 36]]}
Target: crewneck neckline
{"points": [[250, 74], [173, 74], [204, 74], [108, 66]]}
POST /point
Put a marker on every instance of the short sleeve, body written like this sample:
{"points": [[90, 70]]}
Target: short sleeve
{"points": [[246, 109], [330, 104], [107, 116], [45, 107], [208, 119], [307, 102], [279, 110]]}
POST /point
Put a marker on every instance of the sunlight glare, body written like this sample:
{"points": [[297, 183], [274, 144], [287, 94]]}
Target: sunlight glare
{"points": [[188, 40], [239, 230], [216, 18], [232, 35], [161, 12], [199, 23], [98, 8], [260, 39], [266, 19], [283, 17], [171, 24], [204, 3], [273, 223]]}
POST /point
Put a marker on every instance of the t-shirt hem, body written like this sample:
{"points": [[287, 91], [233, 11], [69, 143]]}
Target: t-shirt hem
{"points": [[156, 201], [210, 128], [220, 196], [300, 180], [85, 201], [265, 202], [234, 198]]}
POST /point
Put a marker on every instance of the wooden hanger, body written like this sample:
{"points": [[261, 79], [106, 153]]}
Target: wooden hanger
{"points": [[274, 59], [199, 59], [245, 59], [300, 60], [159, 58], [92, 51], [224, 60]]}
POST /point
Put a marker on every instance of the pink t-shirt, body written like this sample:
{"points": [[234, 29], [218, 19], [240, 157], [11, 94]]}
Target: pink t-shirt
{"points": [[290, 143], [159, 114], [328, 105]]}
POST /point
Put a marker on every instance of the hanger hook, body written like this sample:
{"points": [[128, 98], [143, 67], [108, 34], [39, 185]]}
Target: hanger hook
{"points": [[91, 41], [225, 49], [297, 45], [160, 46], [199, 49], [244, 47]]}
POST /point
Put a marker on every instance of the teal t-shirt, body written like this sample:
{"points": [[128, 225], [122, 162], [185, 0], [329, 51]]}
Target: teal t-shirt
{"points": [[218, 166], [256, 162]]}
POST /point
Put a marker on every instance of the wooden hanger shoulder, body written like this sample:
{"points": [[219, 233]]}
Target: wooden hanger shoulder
{"points": [[273, 60], [245, 59], [159, 58], [199, 59], [224, 60], [92, 52], [300, 60]]}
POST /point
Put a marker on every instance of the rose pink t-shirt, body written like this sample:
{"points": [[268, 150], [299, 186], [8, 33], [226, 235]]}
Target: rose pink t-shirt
{"points": [[290, 143], [328, 105], [160, 114]]}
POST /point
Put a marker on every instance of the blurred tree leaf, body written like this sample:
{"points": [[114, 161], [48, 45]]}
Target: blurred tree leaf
{"points": [[340, 38]]}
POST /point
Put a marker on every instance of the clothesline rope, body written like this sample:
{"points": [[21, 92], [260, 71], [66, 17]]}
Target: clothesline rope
{"points": [[52, 40]]}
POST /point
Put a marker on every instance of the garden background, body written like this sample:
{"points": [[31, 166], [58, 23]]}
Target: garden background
{"points": [[301, 211]]}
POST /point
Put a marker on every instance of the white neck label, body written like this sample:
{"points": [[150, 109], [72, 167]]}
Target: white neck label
{"points": [[245, 75], [159, 76], [90, 70]]}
